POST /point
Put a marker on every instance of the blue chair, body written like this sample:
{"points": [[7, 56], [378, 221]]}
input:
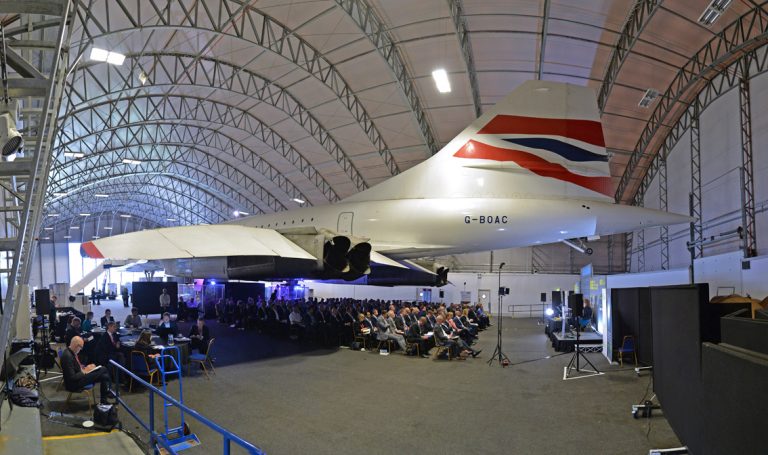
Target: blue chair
{"points": [[203, 359], [89, 395], [140, 367], [627, 346]]}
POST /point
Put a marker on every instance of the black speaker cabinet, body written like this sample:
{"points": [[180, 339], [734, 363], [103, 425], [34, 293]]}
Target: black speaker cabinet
{"points": [[43, 301], [576, 304], [543, 297]]}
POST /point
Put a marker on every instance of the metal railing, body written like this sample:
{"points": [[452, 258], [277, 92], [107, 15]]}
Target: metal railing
{"points": [[155, 437]]}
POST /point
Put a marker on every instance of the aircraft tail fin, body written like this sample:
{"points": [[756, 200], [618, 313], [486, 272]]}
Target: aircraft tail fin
{"points": [[545, 139]]}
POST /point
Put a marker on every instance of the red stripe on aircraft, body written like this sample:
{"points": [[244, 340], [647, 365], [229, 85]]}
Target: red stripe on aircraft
{"points": [[537, 165], [588, 131], [91, 251]]}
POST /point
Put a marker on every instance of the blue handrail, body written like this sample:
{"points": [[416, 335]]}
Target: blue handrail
{"points": [[154, 437]]}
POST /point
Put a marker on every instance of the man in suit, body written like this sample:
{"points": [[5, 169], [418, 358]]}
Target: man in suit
{"points": [[77, 376], [456, 344], [200, 336], [107, 318], [418, 334], [73, 330], [108, 347], [400, 322], [385, 333]]}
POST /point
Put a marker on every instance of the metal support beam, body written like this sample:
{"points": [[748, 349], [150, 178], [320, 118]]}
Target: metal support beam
{"points": [[365, 17], [610, 253], [167, 70], [638, 17], [664, 230], [741, 36], [628, 242], [460, 23], [748, 183], [717, 86], [249, 25], [698, 226], [543, 42]]}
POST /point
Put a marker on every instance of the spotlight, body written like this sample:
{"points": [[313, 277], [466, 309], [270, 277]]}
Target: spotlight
{"points": [[10, 138], [549, 311]]}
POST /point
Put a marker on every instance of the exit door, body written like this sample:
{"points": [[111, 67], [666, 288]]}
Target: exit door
{"points": [[484, 298], [344, 226]]}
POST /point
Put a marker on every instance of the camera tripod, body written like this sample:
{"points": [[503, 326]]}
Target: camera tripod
{"points": [[498, 354], [577, 356]]}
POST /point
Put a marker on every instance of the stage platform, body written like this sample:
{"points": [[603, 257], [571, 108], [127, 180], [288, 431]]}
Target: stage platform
{"points": [[588, 341]]}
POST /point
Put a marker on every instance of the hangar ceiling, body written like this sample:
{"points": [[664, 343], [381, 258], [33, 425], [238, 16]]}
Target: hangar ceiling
{"points": [[225, 106]]}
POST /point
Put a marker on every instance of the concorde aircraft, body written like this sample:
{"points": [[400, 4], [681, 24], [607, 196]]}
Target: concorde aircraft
{"points": [[531, 170]]}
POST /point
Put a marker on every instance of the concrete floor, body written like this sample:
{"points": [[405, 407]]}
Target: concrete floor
{"points": [[288, 398]]}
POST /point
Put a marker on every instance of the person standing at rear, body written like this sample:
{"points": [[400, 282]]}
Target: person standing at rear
{"points": [[165, 302]]}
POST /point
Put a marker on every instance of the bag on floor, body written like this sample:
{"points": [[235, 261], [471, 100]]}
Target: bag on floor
{"points": [[24, 397], [105, 415]]}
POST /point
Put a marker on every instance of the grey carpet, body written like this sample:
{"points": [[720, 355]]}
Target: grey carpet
{"points": [[292, 399]]}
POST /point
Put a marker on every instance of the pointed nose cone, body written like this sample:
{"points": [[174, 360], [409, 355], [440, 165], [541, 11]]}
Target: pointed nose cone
{"points": [[618, 219]]}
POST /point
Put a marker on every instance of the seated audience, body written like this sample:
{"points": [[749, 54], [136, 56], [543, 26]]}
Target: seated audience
{"points": [[73, 330], [133, 320], [418, 333], [88, 323], [108, 347], [107, 318], [77, 375], [167, 327], [384, 333], [199, 336], [455, 343]]}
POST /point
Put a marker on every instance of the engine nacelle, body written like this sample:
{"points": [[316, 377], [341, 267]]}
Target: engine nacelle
{"points": [[338, 257]]}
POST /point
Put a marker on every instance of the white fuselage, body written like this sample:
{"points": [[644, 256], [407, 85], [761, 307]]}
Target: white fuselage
{"points": [[411, 228]]}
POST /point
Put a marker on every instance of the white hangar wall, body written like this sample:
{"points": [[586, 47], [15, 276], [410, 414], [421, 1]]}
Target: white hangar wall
{"points": [[721, 149]]}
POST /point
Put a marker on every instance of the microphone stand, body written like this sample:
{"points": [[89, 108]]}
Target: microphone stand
{"points": [[498, 354]]}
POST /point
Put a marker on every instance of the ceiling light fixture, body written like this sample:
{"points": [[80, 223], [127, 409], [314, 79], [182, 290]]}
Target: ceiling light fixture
{"points": [[85, 214], [48, 228], [124, 215], [59, 194], [11, 141], [298, 201], [96, 237], [74, 154], [54, 215], [130, 161], [441, 80], [240, 213], [648, 97], [171, 219], [712, 12], [100, 195], [103, 55], [108, 228], [74, 227], [67, 236], [143, 77], [46, 238]]}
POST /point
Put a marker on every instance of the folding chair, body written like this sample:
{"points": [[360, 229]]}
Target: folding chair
{"points": [[204, 359], [627, 346], [441, 347], [140, 367], [89, 395]]}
